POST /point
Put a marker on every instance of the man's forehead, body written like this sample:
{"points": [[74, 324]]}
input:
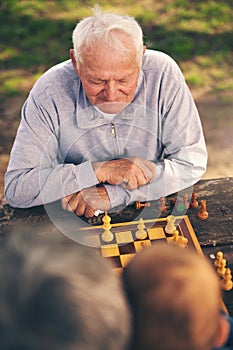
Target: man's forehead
{"points": [[101, 54], [90, 74]]}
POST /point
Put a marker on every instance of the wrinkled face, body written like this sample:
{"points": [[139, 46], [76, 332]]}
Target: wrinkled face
{"points": [[109, 79]]}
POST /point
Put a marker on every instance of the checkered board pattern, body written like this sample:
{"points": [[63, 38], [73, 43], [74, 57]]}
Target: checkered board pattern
{"points": [[125, 244]]}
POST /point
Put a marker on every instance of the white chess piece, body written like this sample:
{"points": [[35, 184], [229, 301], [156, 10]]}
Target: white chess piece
{"points": [[170, 227]]}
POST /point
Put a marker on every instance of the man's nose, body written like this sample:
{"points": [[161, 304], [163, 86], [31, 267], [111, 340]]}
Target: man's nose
{"points": [[111, 90]]}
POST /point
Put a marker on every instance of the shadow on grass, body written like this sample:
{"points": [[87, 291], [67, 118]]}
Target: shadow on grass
{"points": [[185, 45], [29, 43]]}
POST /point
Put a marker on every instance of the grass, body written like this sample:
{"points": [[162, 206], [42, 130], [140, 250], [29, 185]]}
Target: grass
{"points": [[36, 34]]}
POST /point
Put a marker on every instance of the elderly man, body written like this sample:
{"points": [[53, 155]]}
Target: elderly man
{"points": [[113, 125]]}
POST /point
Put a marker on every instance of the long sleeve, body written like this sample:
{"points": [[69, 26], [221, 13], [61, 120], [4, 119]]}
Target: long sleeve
{"points": [[34, 175]]}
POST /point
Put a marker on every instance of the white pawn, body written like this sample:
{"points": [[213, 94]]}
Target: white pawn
{"points": [[222, 268], [182, 242], [174, 238], [170, 227], [226, 282], [141, 233], [107, 235], [217, 262]]}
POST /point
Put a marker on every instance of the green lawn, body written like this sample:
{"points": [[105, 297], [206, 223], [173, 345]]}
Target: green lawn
{"points": [[37, 34]]}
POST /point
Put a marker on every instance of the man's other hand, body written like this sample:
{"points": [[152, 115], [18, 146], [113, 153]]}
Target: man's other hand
{"points": [[87, 201], [127, 172]]}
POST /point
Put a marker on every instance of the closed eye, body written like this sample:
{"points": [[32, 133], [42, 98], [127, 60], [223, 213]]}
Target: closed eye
{"points": [[97, 82]]}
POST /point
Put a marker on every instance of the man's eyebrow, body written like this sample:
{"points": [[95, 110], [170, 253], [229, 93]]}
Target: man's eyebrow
{"points": [[93, 77], [126, 75]]}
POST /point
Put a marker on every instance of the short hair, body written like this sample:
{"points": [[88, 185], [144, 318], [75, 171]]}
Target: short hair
{"points": [[58, 295], [175, 299], [104, 28]]}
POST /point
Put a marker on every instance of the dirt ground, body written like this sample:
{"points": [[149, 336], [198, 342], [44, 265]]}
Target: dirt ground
{"points": [[216, 114], [217, 119]]}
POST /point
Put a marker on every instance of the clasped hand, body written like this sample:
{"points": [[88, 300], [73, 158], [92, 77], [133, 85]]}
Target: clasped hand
{"points": [[129, 173]]}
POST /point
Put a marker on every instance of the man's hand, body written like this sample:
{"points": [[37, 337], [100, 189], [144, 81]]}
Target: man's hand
{"points": [[87, 201], [130, 172]]}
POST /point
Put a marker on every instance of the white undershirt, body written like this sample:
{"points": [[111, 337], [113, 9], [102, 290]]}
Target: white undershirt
{"points": [[109, 116]]}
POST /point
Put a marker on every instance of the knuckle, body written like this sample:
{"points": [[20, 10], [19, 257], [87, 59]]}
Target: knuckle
{"points": [[70, 207]]}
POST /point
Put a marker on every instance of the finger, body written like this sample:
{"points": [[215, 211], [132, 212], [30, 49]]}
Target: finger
{"points": [[148, 169], [73, 203], [140, 177], [142, 180], [80, 209], [70, 196], [65, 201], [89, 212]]}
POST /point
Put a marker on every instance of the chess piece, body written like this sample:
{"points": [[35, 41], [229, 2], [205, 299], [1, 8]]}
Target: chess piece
{"points": [[98, 212], [222, 268], [217, 262], [140, 205], [226, 282], [174, 238], [182, 242], [194, 202], [179, 205], [107, 235], [202, 213], [141, 233], [170, 227], [186, 201], [177, 239]]}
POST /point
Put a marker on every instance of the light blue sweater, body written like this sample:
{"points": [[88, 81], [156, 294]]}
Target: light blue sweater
{"points": [[61, 134]]}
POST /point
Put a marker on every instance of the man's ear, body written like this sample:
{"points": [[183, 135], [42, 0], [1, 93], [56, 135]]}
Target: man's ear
{"points": [[223, 332], [73, 60], [144, 50]]}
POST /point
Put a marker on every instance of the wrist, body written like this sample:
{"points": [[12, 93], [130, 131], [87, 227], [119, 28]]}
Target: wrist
{"points": [[98, 170]]}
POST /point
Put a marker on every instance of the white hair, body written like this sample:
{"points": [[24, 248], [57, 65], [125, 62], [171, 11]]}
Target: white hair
{"points": [[59, 295], [105, 28]]}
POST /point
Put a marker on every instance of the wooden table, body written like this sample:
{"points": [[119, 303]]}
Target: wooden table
{"points": [[214, 234]]}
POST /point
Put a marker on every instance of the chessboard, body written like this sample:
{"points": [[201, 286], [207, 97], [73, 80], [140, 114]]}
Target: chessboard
{"points": [[125, 244]]}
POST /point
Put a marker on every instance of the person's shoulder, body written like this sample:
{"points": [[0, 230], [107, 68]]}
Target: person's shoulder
{"points": [[157, 55], [60, 69], [160, 62], [58, 77]]}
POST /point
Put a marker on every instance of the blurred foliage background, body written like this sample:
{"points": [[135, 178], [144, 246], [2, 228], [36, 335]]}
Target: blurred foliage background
{"points": [[36, 34]]}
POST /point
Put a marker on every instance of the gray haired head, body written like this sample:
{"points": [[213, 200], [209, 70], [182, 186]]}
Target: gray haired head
{"points": [[105, 28]]}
